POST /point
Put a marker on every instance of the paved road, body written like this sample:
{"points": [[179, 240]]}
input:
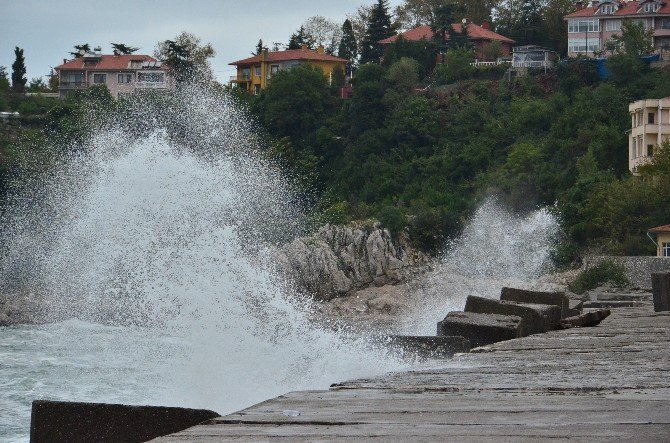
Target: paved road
{"points": [[611, 382]]}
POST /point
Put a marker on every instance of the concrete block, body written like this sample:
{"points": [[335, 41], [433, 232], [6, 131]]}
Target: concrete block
{"points": [[480, 329], [429, 347], [612, 304], [575, 307], [537, 318], [538, 297], [55, 421], [660, 286], [592, 318]]}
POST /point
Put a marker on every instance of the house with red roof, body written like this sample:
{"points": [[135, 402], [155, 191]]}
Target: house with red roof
{"points": [[592, 25], [480, 36], [255, 73], [121, 74], [662, 234]]}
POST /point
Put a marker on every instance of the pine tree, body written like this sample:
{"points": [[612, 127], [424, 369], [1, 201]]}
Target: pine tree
{"points": [[123, 49], [378, 28], [19, 79], [348, 49], [78, 48], [259, 47], [300, 38]]}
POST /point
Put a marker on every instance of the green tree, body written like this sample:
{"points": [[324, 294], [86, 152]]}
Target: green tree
{"points": [[78, 49], [378, 28], [295, 104], [187, 57], [634, 40], [456, 66], [348, 49], [300, 38], [37, 85], [4, 81], [444, 34], [413, 13], [124, 49], [521, 20], [19, 79], [404, 74]]}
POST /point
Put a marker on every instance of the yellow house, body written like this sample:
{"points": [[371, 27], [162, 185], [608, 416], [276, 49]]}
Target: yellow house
{"points": [[650, 127], [255, 73], [662, 234]]}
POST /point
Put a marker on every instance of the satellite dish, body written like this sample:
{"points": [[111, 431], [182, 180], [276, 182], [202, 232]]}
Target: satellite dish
{"points": [[82, 51]]}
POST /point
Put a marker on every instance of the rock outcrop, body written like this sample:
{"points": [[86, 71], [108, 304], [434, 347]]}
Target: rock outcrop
{"points": [[20, 308], [338, 260]]}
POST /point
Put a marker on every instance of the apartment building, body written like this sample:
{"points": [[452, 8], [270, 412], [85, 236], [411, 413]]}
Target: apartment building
{"points": [[255, 73], [122, 74], [590, 27], [650, 127]]}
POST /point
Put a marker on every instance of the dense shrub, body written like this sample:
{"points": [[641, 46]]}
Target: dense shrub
{"points": [[605, 272]]}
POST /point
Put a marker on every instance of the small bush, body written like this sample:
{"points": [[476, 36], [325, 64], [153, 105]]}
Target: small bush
{"points": [[392, 219], [605, 272]]}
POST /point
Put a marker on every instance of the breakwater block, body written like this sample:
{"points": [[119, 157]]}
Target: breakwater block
{"points": [[660, 286], [538, 297], [480, 329], [611, 304], [55, 421], [536, 318], [592, 318], [429, 346], [575, 308]]}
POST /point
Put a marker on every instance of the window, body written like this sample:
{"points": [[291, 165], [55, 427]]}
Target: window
{"points": [[136, 64], [665, 23], [274, 69], [613, 25], [633, 153], [151, 77], [647, 23], [607, 9], [584, 25], [665, 249], [650, 118], [650, 150], [246, 73], [580, 45], [257, 71], [125, 78], [99, 79], [650, 7]]}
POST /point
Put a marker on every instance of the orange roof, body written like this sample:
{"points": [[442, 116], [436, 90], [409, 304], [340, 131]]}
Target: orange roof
{"points": [[425, 32], [291, 54], [106, 62], [629, 8], [660, 229]]}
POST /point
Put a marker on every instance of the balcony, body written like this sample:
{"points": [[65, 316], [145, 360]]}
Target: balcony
{"points": [[72, 85], [246, 78], [151, 85]]}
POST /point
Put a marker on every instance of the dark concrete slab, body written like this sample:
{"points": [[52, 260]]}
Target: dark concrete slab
{"points": [[610, 383], [56, 421], [480, 329], [538, 297], [537, 318], [661, 289]]}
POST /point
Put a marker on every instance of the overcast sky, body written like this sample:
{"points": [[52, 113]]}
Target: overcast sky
{"points": [[48, 29]]}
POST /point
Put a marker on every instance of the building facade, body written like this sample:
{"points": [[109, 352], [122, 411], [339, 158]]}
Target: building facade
{"points": [[255, 73], [481, 38], [662, 234], [590, 27], [650, 127], [122, 74]]}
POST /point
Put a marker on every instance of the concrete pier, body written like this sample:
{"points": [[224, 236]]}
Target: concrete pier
{"points": [[610, 382]]}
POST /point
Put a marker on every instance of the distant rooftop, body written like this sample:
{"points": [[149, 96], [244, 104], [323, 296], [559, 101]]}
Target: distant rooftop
{"points": [[105, 62]]}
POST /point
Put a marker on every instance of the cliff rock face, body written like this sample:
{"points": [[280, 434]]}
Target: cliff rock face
{"points": [[338, 260]]}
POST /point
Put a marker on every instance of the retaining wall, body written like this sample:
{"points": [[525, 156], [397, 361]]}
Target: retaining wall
{"points": [[638, 269]]}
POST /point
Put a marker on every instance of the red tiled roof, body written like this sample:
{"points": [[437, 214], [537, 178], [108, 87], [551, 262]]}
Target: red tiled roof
{"points": [[660, 229], [629, 8], [291, 54], [107, 62], [475, 32]]}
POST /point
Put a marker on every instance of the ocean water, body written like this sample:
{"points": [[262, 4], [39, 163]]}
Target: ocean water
{"points": [[151, 245]]}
